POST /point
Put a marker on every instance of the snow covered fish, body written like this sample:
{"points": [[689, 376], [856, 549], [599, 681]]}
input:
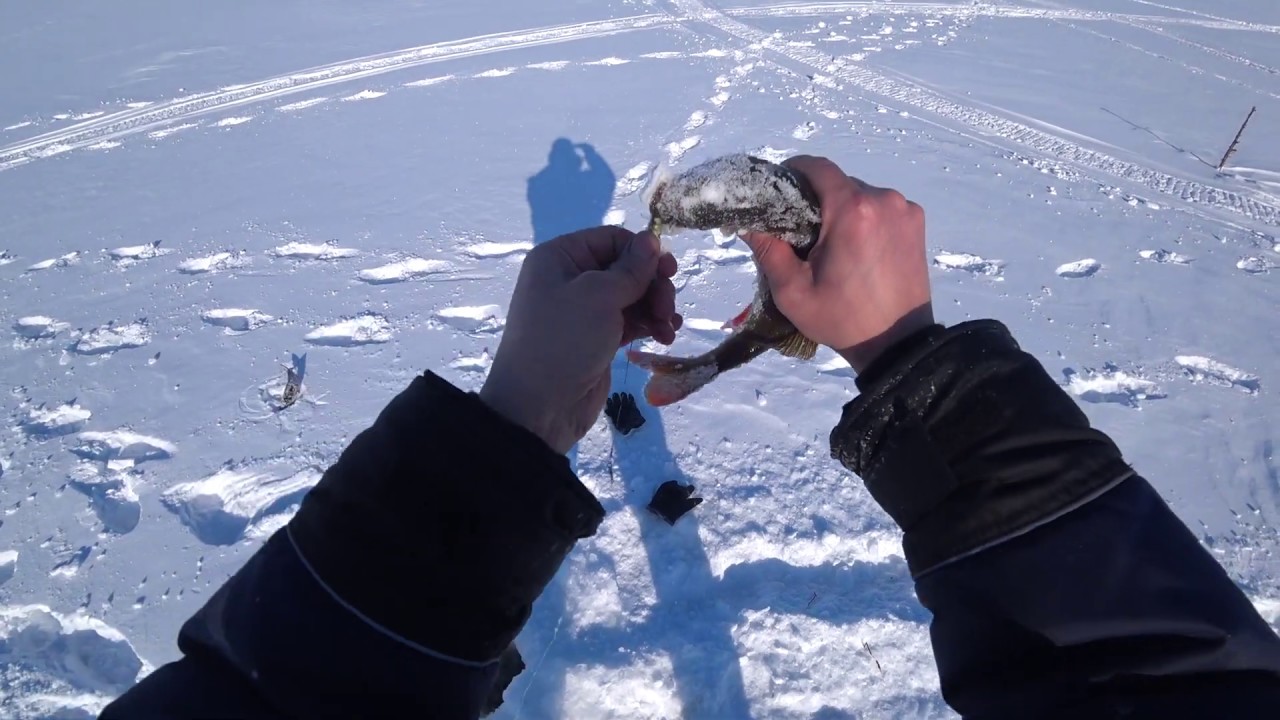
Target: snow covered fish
{"points": [[736, 193]]}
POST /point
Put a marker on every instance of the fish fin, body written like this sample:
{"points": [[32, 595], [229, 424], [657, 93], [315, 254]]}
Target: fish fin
{"points": [[798, 346], [673, 378], [738, 319]]}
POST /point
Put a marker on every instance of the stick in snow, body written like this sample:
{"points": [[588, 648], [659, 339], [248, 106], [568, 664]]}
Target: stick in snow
{"points": [[1231, 150]]}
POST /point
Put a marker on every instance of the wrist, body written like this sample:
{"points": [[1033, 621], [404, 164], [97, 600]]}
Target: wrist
{"points": [[520, 407], [865, 354]]}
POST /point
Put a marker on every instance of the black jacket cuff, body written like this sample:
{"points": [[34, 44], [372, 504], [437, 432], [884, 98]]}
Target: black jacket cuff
{"points": [[965, 440], [443, 522]]}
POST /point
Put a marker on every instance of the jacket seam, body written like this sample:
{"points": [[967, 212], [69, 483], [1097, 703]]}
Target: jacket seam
{"points": [[1023, 530], [384, 630]]}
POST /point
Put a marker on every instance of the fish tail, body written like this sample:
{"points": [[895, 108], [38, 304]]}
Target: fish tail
{"points": [[673, 378]]}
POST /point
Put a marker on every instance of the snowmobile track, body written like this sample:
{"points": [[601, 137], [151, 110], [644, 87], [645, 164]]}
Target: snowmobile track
{"points": [[909, 94], [138, 120]]}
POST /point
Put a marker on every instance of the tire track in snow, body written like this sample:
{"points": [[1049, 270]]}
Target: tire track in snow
{"points": [[1216, 52], [916, 96], [1193, 69], [169, 112], [99, 129], [1001, 12]]}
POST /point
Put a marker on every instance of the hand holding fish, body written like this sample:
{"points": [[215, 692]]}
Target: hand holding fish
{"points": [[841, 264], [865, 284], [578, 298]]}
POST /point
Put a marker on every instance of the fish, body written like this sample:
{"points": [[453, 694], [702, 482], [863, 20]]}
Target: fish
{"points": [[736, 193]]}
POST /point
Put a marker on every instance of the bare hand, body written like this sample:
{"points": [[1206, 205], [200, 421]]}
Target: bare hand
{"points": [[579, 298], [865, 284]]}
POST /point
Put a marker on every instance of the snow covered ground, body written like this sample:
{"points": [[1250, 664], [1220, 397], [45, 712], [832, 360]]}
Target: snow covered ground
{"points": [[191, 193]]}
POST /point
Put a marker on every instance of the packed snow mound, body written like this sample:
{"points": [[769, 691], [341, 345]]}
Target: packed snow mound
{"points": [[111, 337], [123, 445], [61, 666], [227, 507], [34, 327], [60, 420]]}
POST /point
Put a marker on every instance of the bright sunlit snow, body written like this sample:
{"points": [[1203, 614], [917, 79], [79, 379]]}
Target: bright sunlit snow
{"points": [[190, 195]]}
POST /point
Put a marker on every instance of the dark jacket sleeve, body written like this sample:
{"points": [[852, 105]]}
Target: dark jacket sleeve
{"points": [[398, 588], [1061, 584]]}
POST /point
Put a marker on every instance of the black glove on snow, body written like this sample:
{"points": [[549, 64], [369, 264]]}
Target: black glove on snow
{"points": [[622, 411], [673, 500]]}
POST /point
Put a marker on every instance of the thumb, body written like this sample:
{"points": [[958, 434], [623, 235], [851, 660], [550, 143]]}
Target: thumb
{"points": [[627, 278], [774, 257]]}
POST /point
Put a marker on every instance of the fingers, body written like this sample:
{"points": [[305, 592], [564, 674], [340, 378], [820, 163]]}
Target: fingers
{"points": [[667, 266], [593, 248], [775, 258], [827, 179], [626, 279]]}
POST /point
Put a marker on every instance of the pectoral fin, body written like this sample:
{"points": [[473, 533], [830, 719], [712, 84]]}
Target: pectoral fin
{"points": [[797, 346]]}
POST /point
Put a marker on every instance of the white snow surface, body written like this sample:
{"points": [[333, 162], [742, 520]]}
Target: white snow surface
{"points": [[1140, 277]]}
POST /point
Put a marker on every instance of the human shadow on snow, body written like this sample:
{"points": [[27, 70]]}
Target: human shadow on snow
{"points": [[572, 192]]}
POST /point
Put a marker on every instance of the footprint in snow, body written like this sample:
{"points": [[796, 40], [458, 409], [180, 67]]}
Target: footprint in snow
{"points": [[970, 263], [1255, 265], [7, 257], [366, 329], [726, 255], [364, 95], [111, 497], [301, 104], [212, 263], [404, 270], [552, 65], [607, 62], [132, 254], [1111, 385], [496, 249], [238, 503], [478, 363], [36, 327], [495, 72], [313, 251], [112, 337], [1079, 269], [696, 120], [67, 561], [235, 321], [61, 261], [836, 366], [474, 320], [805, 130], [1164, 257], [64, 419], [1203, 369], [676, 150], [632, 180], [233, 121]]}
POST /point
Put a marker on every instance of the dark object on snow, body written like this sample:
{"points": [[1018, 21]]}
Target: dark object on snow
{"points": [[673, 500], [509, 666], [622, 411]]}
